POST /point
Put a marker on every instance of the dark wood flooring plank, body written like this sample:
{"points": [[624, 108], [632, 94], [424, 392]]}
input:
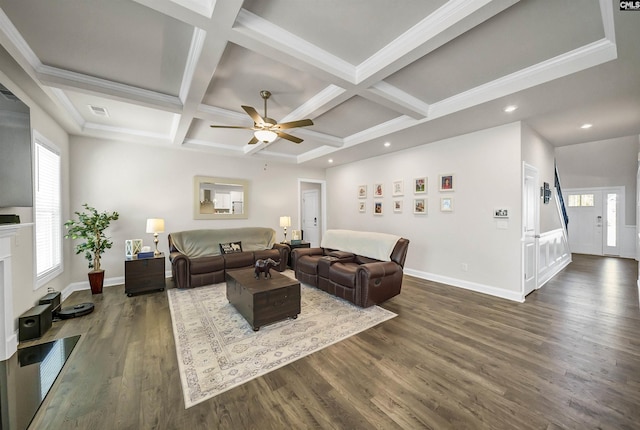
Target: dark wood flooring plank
{"points": [[569, 357]]}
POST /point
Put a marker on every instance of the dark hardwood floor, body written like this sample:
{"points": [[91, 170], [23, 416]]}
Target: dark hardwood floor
{"points": [[567, 358]]}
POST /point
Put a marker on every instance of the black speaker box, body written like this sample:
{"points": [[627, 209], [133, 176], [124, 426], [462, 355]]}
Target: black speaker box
{"points": [[52, 299], [34, 323]]}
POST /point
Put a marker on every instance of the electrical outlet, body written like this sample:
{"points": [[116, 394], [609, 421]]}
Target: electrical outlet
{"points": [[464, 267]]}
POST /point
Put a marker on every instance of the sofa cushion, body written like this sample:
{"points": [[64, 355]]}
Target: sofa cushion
{"points": [[344, 274], [231, 247], [237, 260], [206, 265]]}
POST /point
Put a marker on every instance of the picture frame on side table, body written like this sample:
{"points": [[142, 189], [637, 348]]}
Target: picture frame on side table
{"points": [[446, 204], [362, 191], [420, 206], [377, 208], [398, 188], [420, 185], [447, 182]]}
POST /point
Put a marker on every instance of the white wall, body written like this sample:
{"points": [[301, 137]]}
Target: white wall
{"points": [[537, 152], [487, 169], [142, 181], [607, 163], [22, 247]]}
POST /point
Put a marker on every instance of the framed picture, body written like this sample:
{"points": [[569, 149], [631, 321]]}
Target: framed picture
{"points": [[362, 191], [378, 190], [397, 206], [420, 206], [398, 188], [446, 204], [377, 208], [420, 185], [362, 207], [447, 182]]}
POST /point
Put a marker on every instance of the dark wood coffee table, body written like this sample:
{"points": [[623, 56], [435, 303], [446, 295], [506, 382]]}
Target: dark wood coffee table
{"points": [[263, 301]]}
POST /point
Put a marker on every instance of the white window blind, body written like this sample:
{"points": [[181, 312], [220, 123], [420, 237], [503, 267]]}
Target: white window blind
{"points": [[47, 212]]}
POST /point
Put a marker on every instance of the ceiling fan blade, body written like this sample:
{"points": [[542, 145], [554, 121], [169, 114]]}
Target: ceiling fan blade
{"points": [[255, 116], [294, 124], [288, 137], [231, 126], [253, 141]]}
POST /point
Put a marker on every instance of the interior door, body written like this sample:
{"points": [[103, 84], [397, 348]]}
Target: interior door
{"points": [[311, 217], [530, 224]]}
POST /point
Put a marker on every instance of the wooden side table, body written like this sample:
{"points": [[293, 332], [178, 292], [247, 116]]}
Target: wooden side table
{"points": [[302, 244], [144, 274]]}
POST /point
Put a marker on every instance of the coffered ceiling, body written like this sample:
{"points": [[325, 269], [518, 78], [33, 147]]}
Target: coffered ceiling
{"points": [[367, 72]]}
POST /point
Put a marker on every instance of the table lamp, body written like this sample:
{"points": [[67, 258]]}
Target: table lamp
{"points": [[285, 221], [155, 226]]}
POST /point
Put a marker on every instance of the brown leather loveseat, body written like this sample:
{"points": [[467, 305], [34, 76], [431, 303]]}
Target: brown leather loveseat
{"points": [[202, 257], [362, 267]]}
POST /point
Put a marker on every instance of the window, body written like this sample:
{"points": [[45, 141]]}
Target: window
{"points": [[47, 211], [576, 200]]}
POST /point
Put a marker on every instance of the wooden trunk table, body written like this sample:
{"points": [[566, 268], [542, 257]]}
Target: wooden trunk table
{"points": [[263, 301]]}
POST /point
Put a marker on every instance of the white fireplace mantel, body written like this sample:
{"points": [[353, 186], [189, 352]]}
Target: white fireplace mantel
{"points": [[8, 339]]}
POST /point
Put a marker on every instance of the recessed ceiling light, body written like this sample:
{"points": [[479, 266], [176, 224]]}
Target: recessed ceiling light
{"points": [[586, 126], [387, 144], [510, 108], [330, 160]]}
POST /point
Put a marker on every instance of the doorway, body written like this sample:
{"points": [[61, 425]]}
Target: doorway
{"points": [[312, 210], [530, 228], [595, 220]]}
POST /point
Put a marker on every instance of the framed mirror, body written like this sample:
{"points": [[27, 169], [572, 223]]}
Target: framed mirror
{"points": [[220, 198]]}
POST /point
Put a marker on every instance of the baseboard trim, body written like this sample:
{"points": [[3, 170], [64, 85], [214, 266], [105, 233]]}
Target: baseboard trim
{"points": [[467, 285], [108, 282]]}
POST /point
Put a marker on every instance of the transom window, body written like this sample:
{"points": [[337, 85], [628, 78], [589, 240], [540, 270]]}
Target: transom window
{"points": [[577, 200]]}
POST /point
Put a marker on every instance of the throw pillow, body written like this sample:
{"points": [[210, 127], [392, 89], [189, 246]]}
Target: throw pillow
{"points": [[231, 247]]}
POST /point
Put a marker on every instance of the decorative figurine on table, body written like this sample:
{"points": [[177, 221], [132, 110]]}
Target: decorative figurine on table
{"points": [[263, 266]]}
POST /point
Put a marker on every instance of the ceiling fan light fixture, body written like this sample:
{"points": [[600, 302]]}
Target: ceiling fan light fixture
{"points": [[265, 136]]}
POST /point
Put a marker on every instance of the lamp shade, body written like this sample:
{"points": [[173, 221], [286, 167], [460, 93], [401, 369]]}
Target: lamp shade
{"points": [[266, 136], [285, 221], [155, 225]]}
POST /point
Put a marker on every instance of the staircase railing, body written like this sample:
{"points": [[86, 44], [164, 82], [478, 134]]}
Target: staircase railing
{"points": [[563, 209]]}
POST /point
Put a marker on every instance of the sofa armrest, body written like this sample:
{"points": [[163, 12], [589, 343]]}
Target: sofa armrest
{"points": [[284, 250], [377, 282], [180, 269], [301, 252]]}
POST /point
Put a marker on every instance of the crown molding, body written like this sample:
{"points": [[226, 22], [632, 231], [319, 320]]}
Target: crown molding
{"points": [[56, 77], [273, 36], [562, 65], [451, 13], [195, 49]]}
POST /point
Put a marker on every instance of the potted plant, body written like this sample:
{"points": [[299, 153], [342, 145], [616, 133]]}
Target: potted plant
{"points": [[90, 227]]}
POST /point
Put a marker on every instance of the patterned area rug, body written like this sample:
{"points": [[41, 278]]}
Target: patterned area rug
{"points": [[217, 348]]}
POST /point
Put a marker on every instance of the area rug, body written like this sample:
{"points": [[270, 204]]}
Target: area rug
{"points": [[218, 350]]}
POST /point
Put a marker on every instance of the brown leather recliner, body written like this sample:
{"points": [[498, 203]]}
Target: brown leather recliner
{"points": [[361, 280]]}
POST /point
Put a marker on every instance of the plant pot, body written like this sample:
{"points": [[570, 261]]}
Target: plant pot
{"points": [[96, 279]]}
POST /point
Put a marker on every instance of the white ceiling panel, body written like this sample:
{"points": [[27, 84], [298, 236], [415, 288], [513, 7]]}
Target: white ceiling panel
{"points": [[117, 40], [364, 71], [352, 30]]}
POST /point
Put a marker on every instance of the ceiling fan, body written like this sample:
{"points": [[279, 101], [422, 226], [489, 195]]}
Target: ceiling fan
{"points": [[266, 129]]}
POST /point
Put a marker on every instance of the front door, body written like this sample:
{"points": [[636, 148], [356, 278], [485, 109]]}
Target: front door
{"points": [[594, 220]]}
